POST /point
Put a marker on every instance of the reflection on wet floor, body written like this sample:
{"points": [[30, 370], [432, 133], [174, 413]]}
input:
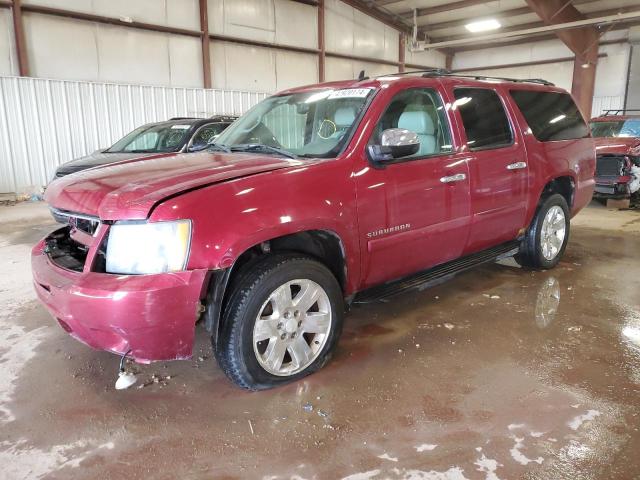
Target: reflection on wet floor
{"points": [[501, 373]]}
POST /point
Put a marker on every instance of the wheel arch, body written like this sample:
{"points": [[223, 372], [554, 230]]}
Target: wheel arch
{"points": [[323, 245]]}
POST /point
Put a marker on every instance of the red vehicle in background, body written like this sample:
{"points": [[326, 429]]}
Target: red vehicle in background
{"points": [[317, 198], [617, 138]]}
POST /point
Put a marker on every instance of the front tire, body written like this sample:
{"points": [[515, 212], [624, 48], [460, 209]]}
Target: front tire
{"points": [[546, 239], [281, 322]]}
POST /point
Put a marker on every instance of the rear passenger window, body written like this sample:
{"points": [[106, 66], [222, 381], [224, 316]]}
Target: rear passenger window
{"points": [[551, 116], [484, 118]]}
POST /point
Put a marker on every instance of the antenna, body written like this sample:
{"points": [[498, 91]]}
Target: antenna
{"points": [[362, 76]]}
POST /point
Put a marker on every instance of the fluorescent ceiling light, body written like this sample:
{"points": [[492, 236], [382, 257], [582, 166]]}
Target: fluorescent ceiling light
{"points": [[483, 25], [558, 118]]}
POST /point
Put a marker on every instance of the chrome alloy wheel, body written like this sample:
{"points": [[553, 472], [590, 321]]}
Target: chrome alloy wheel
{"points": [[292, 327], [554, 229]]}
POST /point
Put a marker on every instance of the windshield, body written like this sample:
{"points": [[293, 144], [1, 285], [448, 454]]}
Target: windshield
{"points": [[616, 128], [153, 139], [309, 124]]}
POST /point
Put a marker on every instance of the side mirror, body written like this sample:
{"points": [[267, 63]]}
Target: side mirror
{"points": [[395, 143]]}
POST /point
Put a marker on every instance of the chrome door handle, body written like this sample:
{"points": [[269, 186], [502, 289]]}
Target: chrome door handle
{"points": [[517, 166], [458, 177]]}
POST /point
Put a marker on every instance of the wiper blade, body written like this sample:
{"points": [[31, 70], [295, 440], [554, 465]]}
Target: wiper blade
{"points": [[258, 147], [215, 147]]}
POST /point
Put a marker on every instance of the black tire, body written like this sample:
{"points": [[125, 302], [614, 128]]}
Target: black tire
{"points": [[530, 254], [235, 352]]}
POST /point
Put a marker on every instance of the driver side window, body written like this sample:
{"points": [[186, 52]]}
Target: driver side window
{"points": [[421, 111]]}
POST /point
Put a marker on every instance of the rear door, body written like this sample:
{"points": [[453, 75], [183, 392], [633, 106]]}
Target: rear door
{"points": [[498, 167]]}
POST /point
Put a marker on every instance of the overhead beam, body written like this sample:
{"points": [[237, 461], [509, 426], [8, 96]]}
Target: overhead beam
{"points": [[58, 12], [540, 38], [560, 28], [387, 19], [520, 64], [599, 13], [206, 44], [583, 42], [462, 21], [445, 7]]}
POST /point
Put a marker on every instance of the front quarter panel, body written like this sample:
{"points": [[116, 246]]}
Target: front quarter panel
{"points": [[233, 216]]}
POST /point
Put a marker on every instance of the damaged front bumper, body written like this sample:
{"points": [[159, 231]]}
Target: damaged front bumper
{"points": [[150, 316]]}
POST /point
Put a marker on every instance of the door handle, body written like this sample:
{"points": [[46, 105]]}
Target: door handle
{"points": [[458, 177], [517, 166]]}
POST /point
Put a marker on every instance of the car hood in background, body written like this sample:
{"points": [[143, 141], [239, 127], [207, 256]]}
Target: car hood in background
{"points": [[616, 145], [130, 189], [96, 159]]}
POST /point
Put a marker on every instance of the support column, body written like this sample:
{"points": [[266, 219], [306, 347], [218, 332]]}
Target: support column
{"points": [[402, 50], [321, 45], [448, 62], [206, 42], [583, 42], [21, 45]]}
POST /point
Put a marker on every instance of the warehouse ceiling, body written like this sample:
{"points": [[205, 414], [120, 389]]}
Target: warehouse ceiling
{"points": [[439, 21]]}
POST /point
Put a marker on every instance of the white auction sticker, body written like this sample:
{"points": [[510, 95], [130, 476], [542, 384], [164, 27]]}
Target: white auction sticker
{"points": [[180, 127], [350, 93]]}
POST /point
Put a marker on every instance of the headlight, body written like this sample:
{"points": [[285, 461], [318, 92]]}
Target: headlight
{"points": [[141, 248]]}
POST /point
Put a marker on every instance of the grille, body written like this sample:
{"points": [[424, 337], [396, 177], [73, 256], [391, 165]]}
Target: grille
{"points": [[610, 166], [84, 223]]}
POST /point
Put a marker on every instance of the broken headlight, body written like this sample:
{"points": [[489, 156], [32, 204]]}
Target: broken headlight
{"points": [[144, 248]]}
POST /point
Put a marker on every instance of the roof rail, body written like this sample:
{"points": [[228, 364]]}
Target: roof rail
{"points": [[620, 111], [183, 118], [442, 72], [490, 77]]}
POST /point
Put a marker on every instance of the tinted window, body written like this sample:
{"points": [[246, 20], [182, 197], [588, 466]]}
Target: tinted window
{"points": [[419, 110], [484, 118], [616, 128], [153, 138], [551, 116]]}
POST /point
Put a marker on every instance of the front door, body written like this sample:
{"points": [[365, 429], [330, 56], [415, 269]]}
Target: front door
{"points": [[498, 168], [414, 212]]}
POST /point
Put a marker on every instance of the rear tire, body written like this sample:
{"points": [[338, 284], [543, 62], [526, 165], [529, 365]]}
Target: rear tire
{"points": [[546, 238], [281, 323]]}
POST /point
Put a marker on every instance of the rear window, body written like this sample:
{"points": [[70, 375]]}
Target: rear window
{"points": [[551, 116], [484, 118]]}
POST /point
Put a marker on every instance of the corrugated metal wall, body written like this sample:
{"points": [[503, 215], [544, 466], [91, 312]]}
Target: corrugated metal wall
{"points": [[600, 104], [44, 123]]}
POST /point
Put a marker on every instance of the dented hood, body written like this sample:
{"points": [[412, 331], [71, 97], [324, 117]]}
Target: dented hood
{"points": [[130, 189]]}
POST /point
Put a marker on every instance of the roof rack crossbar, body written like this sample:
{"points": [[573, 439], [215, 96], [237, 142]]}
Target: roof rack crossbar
{"points": [[620, 111]]}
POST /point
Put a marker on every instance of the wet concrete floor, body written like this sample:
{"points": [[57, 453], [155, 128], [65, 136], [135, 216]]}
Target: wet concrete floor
{"points": [[500, 373]]}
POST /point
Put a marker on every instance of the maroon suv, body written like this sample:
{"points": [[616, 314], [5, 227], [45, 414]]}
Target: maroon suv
{"points": [[318, 197]]}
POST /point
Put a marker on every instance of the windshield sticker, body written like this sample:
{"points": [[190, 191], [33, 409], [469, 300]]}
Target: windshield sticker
{"points": [[350, 93], [180, 127]]}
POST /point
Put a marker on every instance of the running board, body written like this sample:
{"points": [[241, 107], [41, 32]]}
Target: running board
{"points": [[437, 275]]}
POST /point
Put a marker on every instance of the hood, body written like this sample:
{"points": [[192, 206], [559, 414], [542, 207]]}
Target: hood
{"points": [[616, 145], [130, 189], [98, 158]]}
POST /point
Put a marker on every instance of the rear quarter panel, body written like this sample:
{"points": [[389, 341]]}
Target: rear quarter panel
{"points": [[574, 158]]}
